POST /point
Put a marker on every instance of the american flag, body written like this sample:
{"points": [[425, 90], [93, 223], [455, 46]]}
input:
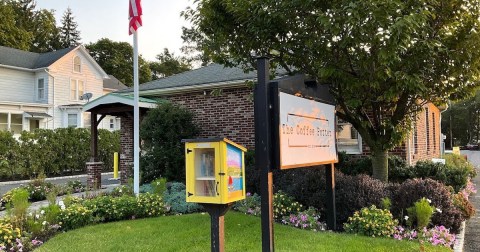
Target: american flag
{"points": [[135, 13]]}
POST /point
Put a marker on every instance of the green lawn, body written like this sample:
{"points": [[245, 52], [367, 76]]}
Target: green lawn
{"points": [[192, 233]]}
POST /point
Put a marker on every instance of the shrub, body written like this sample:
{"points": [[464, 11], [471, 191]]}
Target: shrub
{"points": [[371, 221], [356, 192], [406, 194], [464, 205], [159, 186], [252, 174], [309, 219], [175, 198], [122, 190], [38, 189], [420, 213], [162, 130], [250, 205], [75, 186], [19, 208], [460, 163], [284, 205], [9, 155], [8, 234], [150, 205], [108, 143], [75, 216]]}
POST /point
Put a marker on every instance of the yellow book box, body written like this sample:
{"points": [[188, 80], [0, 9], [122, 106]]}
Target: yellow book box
{"points": [[215, 170]]}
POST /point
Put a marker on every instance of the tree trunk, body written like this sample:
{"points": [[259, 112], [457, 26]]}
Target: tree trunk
{"points": [[380, 165]]}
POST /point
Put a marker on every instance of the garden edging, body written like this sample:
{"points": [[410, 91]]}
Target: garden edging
{"points": [[460, 237]]}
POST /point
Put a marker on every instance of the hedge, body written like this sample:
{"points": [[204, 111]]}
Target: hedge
{"points": [[61, 151]]}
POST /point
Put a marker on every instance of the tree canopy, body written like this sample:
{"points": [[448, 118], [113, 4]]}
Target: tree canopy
{"points": [[116, 58], [168, 64], [69, 33], [383, 59]]}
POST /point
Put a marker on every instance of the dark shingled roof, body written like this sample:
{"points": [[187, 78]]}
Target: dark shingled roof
{"points": [[113, 83], [18, 58], [213, 73]]}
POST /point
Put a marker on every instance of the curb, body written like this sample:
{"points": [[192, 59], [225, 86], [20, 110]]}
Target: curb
{"points": [[460, 238], [50, 179]]}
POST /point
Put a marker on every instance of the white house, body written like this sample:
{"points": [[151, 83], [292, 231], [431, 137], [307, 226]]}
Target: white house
{"points": [[44, 90]]}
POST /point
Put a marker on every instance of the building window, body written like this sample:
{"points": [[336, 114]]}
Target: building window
{"points": [[427, 129], [41, 89], [77, 89], [348, 139], [112, 123], [72, 120], [415, 137], [11, 122], [434, 133], [77, 64]]}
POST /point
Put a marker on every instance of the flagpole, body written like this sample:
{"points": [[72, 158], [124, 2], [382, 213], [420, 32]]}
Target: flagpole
{"points": [[136, 119]]}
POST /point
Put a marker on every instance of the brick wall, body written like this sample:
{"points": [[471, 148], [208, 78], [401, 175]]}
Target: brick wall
{"points": [[126, 148], [228, 115], [231, 115]]}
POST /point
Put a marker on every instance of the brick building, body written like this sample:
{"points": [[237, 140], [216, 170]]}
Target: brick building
{"points": [[223, 106]]}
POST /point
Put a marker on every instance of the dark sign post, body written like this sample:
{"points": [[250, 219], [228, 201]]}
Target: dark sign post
{"points": [[294, 127], [263, 150]]}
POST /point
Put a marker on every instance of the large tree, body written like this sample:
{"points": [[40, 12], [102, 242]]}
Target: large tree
{"points": [[69, 33], [46, 34], [116, 58], [11, 34], [168, 64], [383, 59]]}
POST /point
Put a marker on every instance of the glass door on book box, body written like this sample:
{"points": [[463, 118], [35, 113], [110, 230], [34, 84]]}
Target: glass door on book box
{"points": [[205, 172]]}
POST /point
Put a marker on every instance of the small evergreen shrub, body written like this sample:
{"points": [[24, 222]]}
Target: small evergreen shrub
{"points": [[175, 199], [162, 130], [420, 213], [371, 221]]}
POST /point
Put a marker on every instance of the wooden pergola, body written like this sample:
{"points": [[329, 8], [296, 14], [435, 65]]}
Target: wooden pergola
{"points": [[117, 105]]}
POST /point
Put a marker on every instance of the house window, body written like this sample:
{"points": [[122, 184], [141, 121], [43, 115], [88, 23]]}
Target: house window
{"points": [[3, 121], [77, 64], [77, 89], [41, 89], [112, 123], [72, 120], [12, 122]]}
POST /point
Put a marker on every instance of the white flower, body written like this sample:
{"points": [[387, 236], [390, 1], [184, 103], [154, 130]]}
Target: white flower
{"points": [[429, 201], [120, 191], [406, 217], [61, 204], [439, 210], [37, 216], [42, 212], [44, 223], [30, 214]]}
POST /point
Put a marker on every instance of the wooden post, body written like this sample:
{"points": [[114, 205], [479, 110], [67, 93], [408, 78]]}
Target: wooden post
{"points": [[217, 230], [93, 137], [263, 150], [331, 211]]}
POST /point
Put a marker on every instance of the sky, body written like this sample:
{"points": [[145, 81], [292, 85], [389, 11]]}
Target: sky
{"points": [[96, 19]]}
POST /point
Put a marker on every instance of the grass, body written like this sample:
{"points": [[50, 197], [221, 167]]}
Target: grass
{"points": [[192, 233]]}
